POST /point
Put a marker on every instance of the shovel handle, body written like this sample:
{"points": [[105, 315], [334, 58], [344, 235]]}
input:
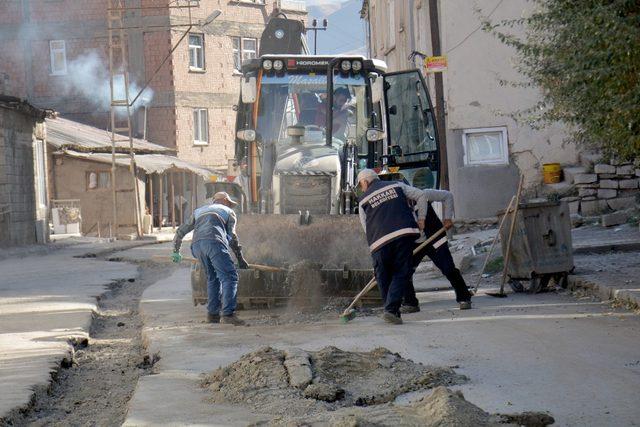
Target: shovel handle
{"points": [[373, 282]]}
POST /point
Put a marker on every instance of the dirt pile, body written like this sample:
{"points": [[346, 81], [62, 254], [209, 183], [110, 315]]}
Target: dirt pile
{"points": [[301, 383], [332, 387]]}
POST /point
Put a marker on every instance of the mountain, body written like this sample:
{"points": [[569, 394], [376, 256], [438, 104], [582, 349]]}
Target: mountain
{"points": [[345, 32]]}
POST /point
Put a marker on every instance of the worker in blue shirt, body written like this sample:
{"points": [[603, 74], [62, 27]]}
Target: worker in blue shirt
{"points": [[214, 236]]}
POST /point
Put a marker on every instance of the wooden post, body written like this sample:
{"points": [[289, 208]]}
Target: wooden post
{"points": [[161, 202], [173, 202], [151, 198], [196, 190], [184, 193], [181, 198], [194, 199]]}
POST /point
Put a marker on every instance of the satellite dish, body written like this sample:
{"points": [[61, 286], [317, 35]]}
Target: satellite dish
{"points": [[209, 19]]}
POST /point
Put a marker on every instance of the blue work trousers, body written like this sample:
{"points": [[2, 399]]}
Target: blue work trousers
{"points": [[393, 270], [222, 277]]}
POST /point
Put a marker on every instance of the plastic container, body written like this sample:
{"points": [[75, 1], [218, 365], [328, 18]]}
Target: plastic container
{"points": [[551, 173]]}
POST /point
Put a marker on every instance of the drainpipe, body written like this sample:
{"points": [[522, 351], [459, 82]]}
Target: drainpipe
{"points": [[440, 108]]}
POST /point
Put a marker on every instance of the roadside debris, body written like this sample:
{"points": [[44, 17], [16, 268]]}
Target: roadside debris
{"points": [[342, 388]]}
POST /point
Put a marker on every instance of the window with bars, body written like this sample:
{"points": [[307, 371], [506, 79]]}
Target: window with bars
{"points": [[196, 51], [200, 126], [58, 55], [243, 48]]}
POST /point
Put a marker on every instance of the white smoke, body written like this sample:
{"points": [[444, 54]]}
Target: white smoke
{"points": [[88, 76]]}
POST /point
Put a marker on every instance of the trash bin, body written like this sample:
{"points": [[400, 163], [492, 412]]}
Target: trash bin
{"points": [[541, 247]]}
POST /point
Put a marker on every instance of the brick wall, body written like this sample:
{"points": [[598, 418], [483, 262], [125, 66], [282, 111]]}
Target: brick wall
{"points": [[216, 88], [177, 90], [17, 198]]}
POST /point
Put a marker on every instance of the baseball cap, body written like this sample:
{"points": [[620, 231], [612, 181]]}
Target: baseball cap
{"points": [[223, 195], [367, 175]]}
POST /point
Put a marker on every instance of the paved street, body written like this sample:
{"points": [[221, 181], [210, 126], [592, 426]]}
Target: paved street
{"points": [[571, 355], [577, 359]]}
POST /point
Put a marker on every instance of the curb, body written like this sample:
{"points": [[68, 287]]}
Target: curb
{"points": [[606, 293], [607, 247]]}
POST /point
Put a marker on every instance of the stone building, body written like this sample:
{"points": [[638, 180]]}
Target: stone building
{"points": [[23, 189], [55, 53], [487, 149]]}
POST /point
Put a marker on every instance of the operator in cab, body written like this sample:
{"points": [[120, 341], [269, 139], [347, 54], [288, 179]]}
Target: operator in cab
{"points": [[391, 229], [214, 236], [340, 112]]}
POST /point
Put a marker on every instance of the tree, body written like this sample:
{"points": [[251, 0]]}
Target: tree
{"points": [[585, 57]]}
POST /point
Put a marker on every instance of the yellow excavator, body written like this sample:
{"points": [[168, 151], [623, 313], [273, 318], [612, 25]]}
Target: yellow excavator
{"points": [[306, 125]]}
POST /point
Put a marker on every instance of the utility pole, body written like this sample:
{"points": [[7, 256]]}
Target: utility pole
{"points": [[440, 107], [314, 27]]}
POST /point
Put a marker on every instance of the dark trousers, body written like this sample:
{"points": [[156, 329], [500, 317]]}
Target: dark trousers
{"points": [[393, 270], [442, 259]]}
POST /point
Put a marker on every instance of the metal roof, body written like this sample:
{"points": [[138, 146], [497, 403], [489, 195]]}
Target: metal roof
{"points": [[24, 107], [67, 134], [151, 163]]}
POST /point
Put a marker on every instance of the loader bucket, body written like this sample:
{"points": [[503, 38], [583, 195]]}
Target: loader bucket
{"points": [[328, 258], [279, 240]]}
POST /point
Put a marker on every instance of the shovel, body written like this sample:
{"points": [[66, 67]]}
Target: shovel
{"points": [[349, 313]]}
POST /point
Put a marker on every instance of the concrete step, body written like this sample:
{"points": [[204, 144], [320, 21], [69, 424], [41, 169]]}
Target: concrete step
{"points": [[563, 188]]}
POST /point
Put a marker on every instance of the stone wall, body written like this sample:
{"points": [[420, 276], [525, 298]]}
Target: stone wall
{"points": [[17, 198], [602, 188]]}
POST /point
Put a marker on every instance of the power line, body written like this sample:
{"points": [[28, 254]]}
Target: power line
{"points": [[476, 30]]}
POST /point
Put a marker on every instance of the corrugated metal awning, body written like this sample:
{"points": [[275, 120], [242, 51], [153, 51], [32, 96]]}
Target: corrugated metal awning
{"points": [[150, 163], [67, 134]]}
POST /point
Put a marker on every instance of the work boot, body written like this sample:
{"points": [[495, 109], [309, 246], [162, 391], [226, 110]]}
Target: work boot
{"points": [[465, 305], [394, 319], [406, 309], [231, 320], [213, 318]]}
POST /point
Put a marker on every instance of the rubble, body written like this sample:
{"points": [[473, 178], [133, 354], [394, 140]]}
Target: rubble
{"points": [[351, 389]]}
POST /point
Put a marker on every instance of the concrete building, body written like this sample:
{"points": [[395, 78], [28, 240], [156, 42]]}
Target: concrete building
{"points": [[23, 185], [55, 53], [487, 149]]}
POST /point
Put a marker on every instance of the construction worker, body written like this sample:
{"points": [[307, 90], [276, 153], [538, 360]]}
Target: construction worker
{"points": [[214, 235], [439, 253], [391, 229]]}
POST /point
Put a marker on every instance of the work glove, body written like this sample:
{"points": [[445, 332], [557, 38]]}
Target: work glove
{"points": [[176, 257], [242, 263]]}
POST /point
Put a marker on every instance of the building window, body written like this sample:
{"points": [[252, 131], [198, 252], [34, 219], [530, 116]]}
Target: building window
{"points": [[196, 51], [58, 54], [200, 127], [485, 146], [97, 180], [243, 48]]}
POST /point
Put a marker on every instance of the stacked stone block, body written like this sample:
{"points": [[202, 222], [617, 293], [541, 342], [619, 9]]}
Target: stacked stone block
{"points": [[603, 188]]}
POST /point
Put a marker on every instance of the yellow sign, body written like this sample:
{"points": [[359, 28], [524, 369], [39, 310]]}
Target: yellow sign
{"points": [[213, 178], [435, 64]]}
